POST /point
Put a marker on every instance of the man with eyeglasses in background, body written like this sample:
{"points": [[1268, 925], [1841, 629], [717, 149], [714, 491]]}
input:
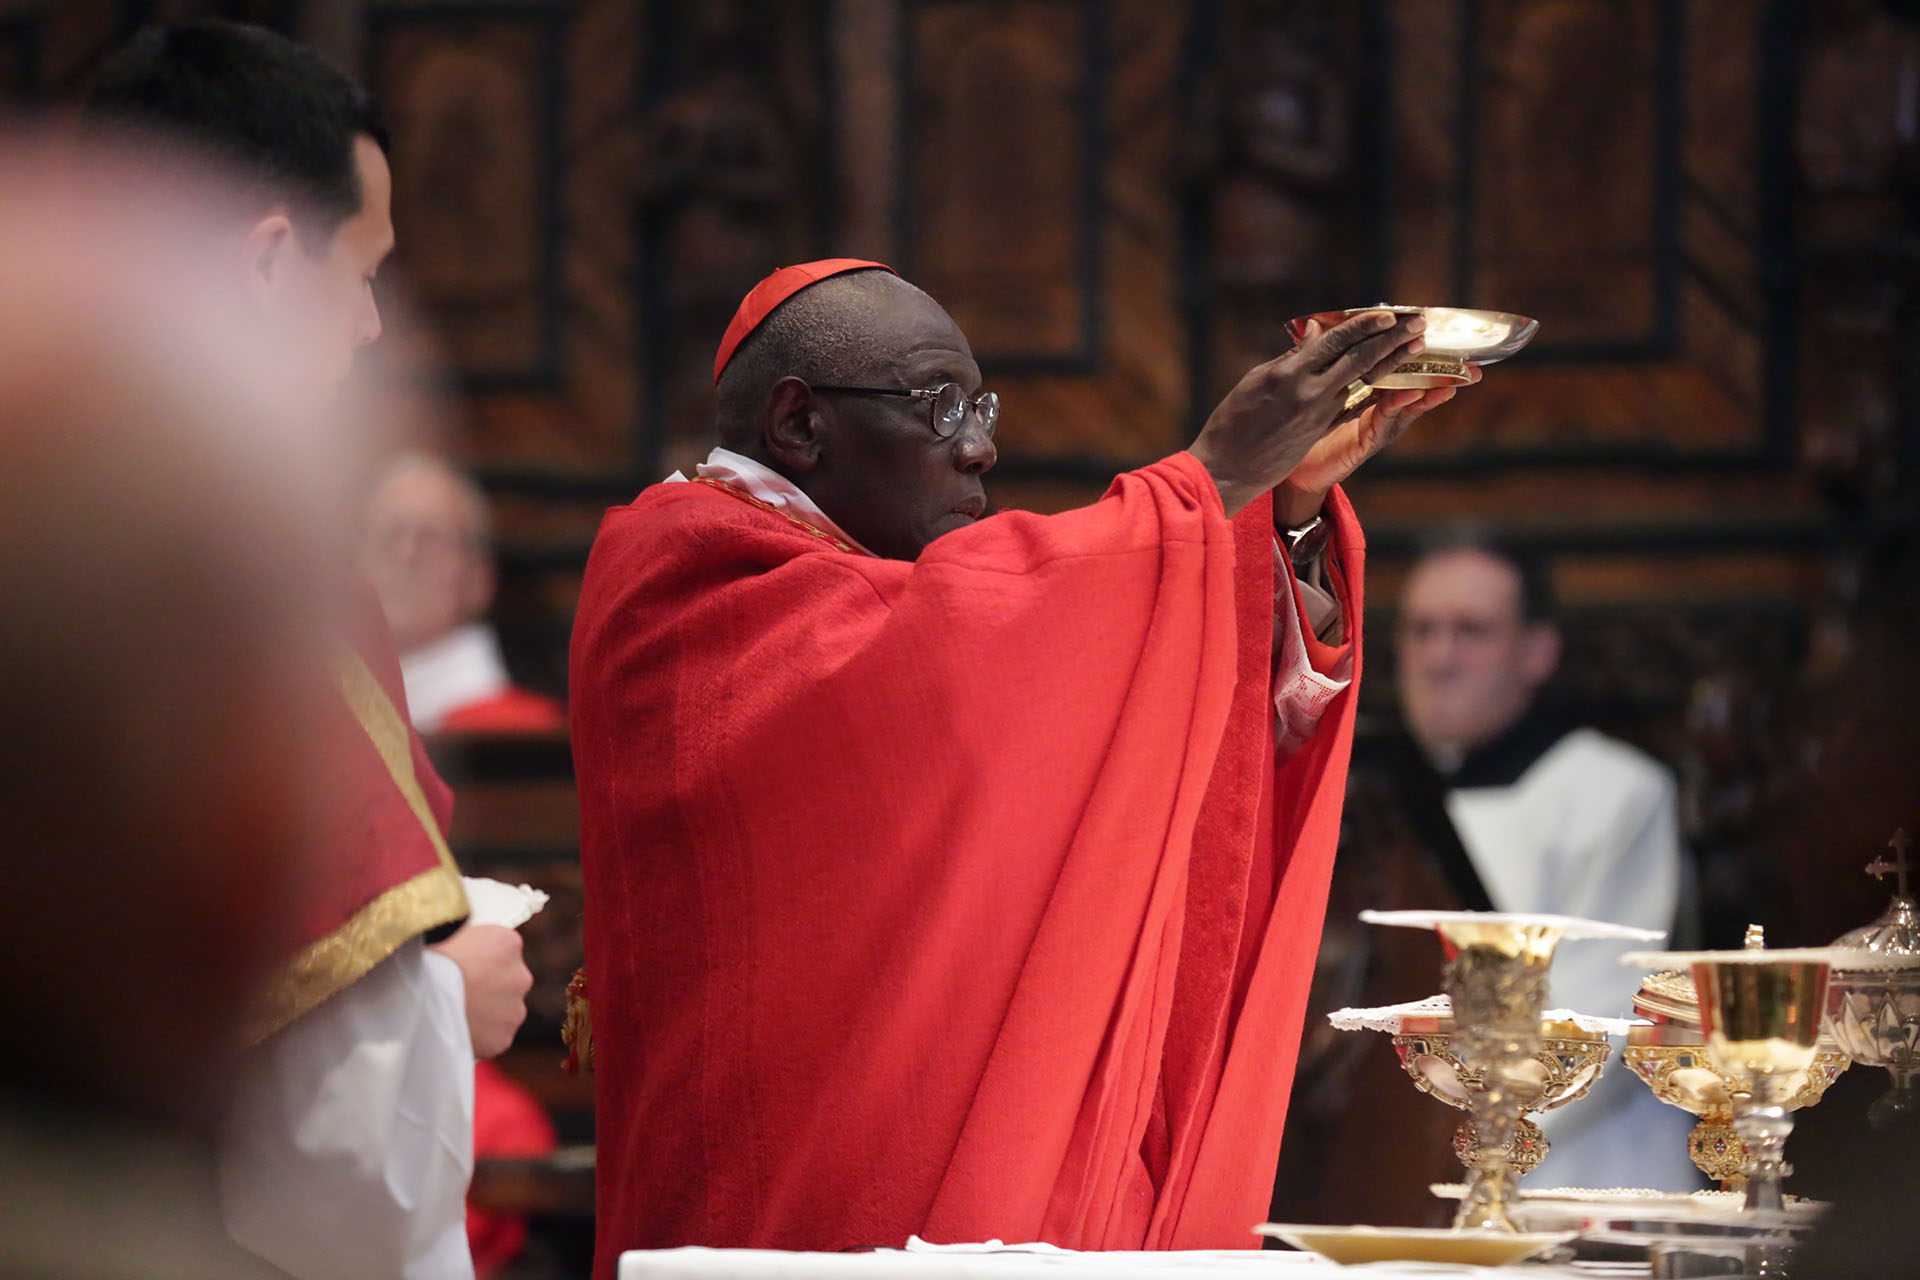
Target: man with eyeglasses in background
{"points": [[952, 875]]}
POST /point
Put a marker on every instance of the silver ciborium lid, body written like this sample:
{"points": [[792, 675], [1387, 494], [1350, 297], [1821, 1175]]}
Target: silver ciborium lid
{"points": [[1873, 1006]]}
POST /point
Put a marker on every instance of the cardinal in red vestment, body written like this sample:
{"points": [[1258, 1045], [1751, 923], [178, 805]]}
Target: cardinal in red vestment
{"points": [[957, 875]]}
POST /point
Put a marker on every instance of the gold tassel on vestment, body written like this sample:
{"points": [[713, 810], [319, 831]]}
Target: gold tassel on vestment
{"points": [[577, 1031]]}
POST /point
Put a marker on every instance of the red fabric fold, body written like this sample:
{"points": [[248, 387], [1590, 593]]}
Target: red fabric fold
{"points": [[952, 897], [370, 837]]}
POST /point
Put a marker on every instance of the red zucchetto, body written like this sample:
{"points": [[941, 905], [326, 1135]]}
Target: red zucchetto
{"points": [[776, 289]]}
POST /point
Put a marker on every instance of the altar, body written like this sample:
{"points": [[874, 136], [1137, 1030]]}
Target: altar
{"points": [[1041, 1262]]}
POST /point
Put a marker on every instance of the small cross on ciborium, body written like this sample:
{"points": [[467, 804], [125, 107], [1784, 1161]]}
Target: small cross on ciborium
{"points": [[1495, 980]]}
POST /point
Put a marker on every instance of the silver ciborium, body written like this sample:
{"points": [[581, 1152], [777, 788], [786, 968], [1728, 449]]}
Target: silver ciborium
{"points": [[1495, 980], [1873, 998], [1760, 1019]]}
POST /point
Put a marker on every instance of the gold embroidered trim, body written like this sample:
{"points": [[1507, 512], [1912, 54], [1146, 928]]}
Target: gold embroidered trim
{"points": [[433, 897], [793, 520], [577, 1031], [343, 957]]}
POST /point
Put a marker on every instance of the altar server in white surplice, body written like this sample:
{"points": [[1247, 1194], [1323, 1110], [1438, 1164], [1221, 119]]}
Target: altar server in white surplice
{"points": [[1547, 815]]}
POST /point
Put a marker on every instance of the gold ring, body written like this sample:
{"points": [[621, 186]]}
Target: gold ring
{"points": [[1357, 391]]}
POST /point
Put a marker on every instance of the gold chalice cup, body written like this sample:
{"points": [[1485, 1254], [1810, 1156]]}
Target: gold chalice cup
{"points": [[1455, 337], [1496, 982], [1760, 1019], [1564, 1067]]}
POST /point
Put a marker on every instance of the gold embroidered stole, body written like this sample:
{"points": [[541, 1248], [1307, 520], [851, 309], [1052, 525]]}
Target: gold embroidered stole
{"points": [[431, 898]]}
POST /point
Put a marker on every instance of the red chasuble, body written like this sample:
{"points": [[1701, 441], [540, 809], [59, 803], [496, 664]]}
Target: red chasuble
{"points": [[385, 874], [959, 897]]}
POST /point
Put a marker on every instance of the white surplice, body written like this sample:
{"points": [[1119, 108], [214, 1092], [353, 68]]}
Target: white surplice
{"points": [[349, 1144], [461, 668], [1590, 829]]}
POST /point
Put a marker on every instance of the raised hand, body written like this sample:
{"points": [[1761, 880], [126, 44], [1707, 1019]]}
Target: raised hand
{"points": [[1356, 436], [1271, 422]]}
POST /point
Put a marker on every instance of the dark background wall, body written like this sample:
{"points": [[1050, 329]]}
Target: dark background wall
{"points": [[1709, 204]]}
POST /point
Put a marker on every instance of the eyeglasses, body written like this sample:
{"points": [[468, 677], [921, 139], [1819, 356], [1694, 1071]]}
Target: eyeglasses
{"points": [[947, 406]]}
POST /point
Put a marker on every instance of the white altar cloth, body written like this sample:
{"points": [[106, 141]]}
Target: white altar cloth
{"points": [[978, 1262]]}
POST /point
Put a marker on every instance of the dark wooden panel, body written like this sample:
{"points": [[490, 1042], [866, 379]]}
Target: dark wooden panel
{"points": [[731, 184], [1055, 244], [281, 15], [1539, 148], [1000, 212], [1638, 218], [473, 96], [525, 248], [1278, 169]]}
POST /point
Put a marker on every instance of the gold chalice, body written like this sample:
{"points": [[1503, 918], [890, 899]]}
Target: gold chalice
{"points": [[1760, 1017], [1496, 982], [1455, 337]]}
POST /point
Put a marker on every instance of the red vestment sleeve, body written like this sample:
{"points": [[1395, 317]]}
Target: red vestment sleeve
{"points": [[947, 897]]}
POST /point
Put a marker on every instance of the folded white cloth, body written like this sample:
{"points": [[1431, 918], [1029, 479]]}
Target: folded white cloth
{"points": [[1390, 1017], [994, 1261], [496, 902]]}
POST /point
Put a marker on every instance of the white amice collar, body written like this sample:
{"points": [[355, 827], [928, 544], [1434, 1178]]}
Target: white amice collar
{"points": [[769, 486]]}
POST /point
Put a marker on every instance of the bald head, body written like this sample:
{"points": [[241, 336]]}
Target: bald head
{"points": [[833, 332]]}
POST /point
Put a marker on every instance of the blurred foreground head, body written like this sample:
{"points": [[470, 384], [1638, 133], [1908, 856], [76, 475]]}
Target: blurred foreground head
{"points": [[308, 146], [161, 595]]}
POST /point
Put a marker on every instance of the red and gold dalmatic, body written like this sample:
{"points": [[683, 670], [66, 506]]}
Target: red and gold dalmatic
{"points": [[385, 874]]}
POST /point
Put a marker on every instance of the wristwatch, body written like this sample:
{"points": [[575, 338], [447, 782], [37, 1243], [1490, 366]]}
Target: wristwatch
{"points": [[1306, 543]]}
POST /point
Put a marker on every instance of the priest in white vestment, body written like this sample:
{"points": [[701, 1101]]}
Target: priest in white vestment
{"points": [[1547, 816]]}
